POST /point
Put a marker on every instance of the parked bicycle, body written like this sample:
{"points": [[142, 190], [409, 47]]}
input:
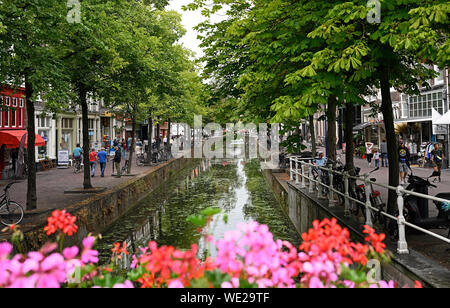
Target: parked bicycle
{"points": [[77, 166], [161, 155], [375, 200], [11, 212]]}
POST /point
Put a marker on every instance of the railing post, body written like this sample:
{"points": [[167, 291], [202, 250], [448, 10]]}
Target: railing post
{"points": [[303, 175], [319, 184], [311, 179], [347, 195], [296, 172], [291, 168], [368, 204], [402, 244], [331, 202]]}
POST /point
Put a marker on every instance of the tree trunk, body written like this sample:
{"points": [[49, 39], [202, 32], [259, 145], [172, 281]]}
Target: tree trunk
{"points": [[132, 145], [150, 138], [31, 150], [348, 136], [168, 134], [312, 130], [158, 135], [331, 130], [392, 144], [82, 96]]}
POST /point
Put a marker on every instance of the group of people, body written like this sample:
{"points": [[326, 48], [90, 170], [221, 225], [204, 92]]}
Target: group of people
{"points": [[100, 157], [380, 157], [377, 155], [437, 158]]}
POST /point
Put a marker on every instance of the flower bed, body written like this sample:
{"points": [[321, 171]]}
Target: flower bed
{"points": [[248, 257]]}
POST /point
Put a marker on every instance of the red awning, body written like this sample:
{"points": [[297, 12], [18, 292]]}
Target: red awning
{"points": [[12, 139]]}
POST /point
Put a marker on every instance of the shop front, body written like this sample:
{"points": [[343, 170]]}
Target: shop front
{"points": [[10, 141]]}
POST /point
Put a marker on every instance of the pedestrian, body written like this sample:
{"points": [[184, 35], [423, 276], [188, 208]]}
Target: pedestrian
{"points": [[124, 149], [117, 161], [437, 157], [102, 158], [93, 161], [384, 153], [369, 154], [376, 158], [404, 157]]}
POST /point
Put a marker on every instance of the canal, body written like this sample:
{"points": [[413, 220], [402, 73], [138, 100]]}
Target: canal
{"points": [[238, 188]]}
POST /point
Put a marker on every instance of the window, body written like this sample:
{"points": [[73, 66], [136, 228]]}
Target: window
{"points": [[421, 106], [67, 123], [21, 103], [20, 112], [440, 78], [14, 100], [7, 111], [91, 124], [1, 110], [13, 117]]}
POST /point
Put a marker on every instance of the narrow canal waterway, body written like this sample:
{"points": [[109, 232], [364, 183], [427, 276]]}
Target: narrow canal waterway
{"points": [[237, 188]]}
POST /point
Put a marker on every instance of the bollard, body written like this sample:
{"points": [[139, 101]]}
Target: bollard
{"points": [[368, 204], [402, 244], [331, 202], [303, 175], [291, 168], [296, 172], [347, 195], [310, 179]]}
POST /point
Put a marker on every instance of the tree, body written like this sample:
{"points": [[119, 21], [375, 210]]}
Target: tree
{"points": [[378, 55], [90, 59], [28, 33]]}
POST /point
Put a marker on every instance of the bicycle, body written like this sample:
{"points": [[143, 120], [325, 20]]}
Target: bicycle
{"points": [[125, 167], [375, 201], [11, 212], [77, 167]]}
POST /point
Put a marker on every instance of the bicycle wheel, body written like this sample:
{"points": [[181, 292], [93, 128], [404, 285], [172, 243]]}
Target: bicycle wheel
{"points": [[11, 214]]}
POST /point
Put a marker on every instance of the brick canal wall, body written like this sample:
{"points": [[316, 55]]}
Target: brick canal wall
{"points": [[97, 213], [303, 208]]}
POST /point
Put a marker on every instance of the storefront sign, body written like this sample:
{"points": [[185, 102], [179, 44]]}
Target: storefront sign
{"points": [[63, 158], [439, 129]]}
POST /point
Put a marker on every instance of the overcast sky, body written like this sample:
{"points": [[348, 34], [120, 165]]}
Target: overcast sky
{"points": [[190, 20]]}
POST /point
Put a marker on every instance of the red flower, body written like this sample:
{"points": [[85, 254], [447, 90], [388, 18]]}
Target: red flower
{"points": [[120, 250], [61, 221]]}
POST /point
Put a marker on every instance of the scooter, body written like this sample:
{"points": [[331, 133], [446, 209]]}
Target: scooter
{"points": [[417, 210]]}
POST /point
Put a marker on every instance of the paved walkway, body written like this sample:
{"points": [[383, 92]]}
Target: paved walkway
{"points": [[52, 184]]}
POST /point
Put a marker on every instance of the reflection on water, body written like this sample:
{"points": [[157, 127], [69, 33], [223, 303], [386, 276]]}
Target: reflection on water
{"points": [[236, 187]]}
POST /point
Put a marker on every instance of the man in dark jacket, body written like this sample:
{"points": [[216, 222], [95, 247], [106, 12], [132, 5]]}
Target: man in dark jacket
{"points": [[117, 161], [404, 157]]}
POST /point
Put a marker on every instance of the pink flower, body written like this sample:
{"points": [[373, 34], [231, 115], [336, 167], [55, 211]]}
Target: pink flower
{"points": [[126, 285], [176, 284], [5, 250], [89, 255]]}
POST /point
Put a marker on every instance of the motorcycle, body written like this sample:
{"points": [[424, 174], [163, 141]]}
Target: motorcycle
{"points": [[417, 209]]}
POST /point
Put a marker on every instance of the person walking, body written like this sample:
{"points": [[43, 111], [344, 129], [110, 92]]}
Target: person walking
{"points": [[93, 161], [369, 154], [437, 157], [404, 157], [102, 159], [117, 161], [384, 154], [376, 158]]}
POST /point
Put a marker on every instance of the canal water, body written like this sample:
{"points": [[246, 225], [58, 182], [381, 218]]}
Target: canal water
{"points": [[238, 188]]}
